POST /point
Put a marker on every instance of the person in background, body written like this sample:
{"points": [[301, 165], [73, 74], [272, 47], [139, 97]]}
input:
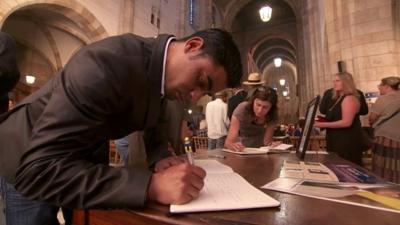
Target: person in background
{"points": [[196, 117], [253, 122], [11, 103], [299, 127], [122, 147], [280, 130], [217, 121], [385, 119], [107, 90], [343, 131], [327, 97], [291, 129], [241, 93], [176, 126]]}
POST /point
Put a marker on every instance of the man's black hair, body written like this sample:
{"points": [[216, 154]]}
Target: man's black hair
{"points": [[219, 45]]}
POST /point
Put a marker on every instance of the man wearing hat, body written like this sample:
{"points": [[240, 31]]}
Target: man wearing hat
{"points": [[253, 81]]}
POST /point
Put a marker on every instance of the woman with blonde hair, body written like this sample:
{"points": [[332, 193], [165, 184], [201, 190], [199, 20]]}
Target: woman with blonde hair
{"points": [[385, 118], [343, 129]]}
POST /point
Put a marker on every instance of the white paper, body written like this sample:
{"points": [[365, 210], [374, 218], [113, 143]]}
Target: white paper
{"points": [[224, 190], [278, 147], [282, 148], [213, 166]]}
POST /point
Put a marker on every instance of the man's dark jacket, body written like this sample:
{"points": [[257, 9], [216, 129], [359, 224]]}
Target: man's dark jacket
{"points": [[9, 73], [107, 90]]}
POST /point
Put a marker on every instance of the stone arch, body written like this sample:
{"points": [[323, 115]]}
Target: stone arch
{"points": [[235, 6], [48, 24], [298, 7], [70, 8]]}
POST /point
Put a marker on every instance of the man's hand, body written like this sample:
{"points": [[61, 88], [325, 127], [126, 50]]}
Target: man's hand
{"points": [[168, 162], [176, 185]]}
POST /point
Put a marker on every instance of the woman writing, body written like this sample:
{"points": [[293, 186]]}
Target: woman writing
{"points": [[385, 118], [343, 131], [253, 122]]}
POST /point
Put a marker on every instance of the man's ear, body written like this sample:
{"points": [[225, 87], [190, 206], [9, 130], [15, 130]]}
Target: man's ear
{"points": [[194, 44]]}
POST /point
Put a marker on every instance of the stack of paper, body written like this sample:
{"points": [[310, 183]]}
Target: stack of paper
{"points": [[224, 190]]}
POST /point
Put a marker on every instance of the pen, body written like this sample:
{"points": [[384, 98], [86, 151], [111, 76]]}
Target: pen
{"points": [[188, 150]]}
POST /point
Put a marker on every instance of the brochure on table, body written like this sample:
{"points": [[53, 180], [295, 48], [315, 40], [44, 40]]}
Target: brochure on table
{"points": [[307, 170], [324, 182], [224, 190]]}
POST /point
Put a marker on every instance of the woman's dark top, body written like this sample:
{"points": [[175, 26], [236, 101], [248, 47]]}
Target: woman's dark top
{"points": [[346, 142]]}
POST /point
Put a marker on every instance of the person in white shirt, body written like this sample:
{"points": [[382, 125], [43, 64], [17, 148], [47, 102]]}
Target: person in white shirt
{"points": [[217, 121]]}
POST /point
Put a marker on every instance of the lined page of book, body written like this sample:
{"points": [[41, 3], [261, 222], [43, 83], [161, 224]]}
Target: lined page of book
{"points": [[225, 190]]}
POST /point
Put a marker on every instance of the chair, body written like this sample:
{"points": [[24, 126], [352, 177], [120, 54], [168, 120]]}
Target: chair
{"points": [[201, 132], [200, 143], [317, 143], [294, 140]]}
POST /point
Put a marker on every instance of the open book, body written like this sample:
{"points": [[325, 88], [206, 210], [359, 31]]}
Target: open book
{"points": [[282, 148], [224, 190]]}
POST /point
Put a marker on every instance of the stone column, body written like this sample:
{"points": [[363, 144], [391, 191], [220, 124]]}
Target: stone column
{"points": [[126, 18]]}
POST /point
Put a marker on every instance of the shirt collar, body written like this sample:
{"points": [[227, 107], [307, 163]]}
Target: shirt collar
{"points": [[164, 64]]}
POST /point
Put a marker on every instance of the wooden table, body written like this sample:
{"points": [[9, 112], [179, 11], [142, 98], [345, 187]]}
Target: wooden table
{"points": [[258, 170]]}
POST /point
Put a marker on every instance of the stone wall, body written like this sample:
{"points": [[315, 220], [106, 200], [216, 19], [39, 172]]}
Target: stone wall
{"points": [[362, 33]]}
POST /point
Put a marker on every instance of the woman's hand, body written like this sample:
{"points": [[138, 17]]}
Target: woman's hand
{"points": [[273, 143], [236, 146]]}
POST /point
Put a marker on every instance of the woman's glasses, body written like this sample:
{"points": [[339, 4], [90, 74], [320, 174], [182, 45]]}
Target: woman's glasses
{"points": [[266, 90]]}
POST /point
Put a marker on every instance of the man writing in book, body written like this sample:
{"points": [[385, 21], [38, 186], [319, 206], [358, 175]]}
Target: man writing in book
{"points": [[107, 90]]}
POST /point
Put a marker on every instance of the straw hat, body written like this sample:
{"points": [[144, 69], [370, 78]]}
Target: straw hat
{"points": [[253, 79]]}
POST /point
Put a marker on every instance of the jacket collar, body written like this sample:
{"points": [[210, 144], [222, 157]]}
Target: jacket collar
{"points": [[155, 76]]}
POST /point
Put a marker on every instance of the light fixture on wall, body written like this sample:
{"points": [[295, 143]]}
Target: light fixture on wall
{"points": [[285, 93], [30, 79], [282, 82], [265, 13], [278, 62]]}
